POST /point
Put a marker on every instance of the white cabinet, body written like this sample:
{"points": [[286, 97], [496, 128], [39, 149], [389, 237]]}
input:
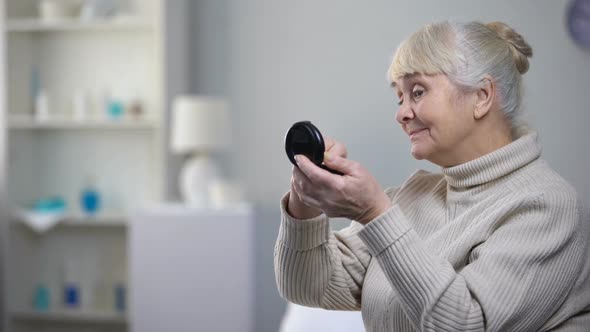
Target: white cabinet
{"points": [[111, 64], [191, 270]]}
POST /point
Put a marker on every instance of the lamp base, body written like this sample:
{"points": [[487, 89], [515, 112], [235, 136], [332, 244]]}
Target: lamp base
{"points": [[196, 175]]}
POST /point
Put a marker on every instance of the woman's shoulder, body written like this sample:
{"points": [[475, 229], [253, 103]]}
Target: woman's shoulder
{"points": [[538, 188], [540, 179]]}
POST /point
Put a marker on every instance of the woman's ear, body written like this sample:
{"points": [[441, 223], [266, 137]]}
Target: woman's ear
{"points": [[486, 95]]}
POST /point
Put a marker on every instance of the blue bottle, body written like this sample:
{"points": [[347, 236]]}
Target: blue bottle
{"points": [[41, 298], [90, 199], [71, 295], [115, 109], [120, 298]]}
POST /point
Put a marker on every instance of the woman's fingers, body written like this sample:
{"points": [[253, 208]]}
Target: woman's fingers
{"points": [[301, 180], [343, 165], [304, 196], [298, 173], [335, 147], [302, 183], [315, 174], [328, 142]]}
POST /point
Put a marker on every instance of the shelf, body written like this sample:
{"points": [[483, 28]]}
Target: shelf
{"points": [[29, 123], [98, 221], [37, 25], [69, 316], [71, 220]]}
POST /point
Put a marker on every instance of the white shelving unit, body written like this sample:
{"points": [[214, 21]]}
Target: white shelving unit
{"points": [[119, 58]]}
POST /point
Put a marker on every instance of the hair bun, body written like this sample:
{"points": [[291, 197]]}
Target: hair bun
{"points": [[521, 50]]}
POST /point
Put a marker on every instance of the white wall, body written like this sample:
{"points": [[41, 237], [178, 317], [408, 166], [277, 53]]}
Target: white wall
{"points": [[325, 61]]}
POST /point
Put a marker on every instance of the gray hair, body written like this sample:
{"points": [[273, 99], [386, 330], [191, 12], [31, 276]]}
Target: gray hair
{"points": [[466, 52]]}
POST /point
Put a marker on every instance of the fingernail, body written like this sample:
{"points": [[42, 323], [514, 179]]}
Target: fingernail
{"points": [[297, 159], [327, 156]]}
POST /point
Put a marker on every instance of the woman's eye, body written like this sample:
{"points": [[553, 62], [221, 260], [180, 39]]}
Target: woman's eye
{"points": [[417, 93], [400, 102]]}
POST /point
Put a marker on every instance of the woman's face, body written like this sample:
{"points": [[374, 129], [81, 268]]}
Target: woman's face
{"points": [[436, 115]]}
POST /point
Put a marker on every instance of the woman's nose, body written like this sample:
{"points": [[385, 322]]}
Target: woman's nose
{"points": [[404, 114]]}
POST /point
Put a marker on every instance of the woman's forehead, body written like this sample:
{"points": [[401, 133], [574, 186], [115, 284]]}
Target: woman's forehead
{"points": [[410, 79], [405, 80]]}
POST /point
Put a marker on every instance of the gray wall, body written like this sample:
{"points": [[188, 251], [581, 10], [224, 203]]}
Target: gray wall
{"points": [[325, 61]]}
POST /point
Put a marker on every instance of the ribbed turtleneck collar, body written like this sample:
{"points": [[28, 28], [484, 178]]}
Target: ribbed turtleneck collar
{"points": [[495, 164]]}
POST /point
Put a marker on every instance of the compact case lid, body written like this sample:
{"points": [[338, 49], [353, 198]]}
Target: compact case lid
{"points": [[305, 138]]}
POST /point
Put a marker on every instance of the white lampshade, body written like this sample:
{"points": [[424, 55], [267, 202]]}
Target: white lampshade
{"points": [[200, 123]]}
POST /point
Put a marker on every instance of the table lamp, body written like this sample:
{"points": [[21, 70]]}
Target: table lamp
{"points": [[200, 127]]}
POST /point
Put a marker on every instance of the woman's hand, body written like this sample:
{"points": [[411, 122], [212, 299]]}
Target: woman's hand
{"points": [[356, 195], [296, 207], [335, 148]]}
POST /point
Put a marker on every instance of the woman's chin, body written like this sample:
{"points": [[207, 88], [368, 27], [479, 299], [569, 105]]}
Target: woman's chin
{"points": [[418, 152]]}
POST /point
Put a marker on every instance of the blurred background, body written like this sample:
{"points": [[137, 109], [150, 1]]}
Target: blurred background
{"points": [[142, 157]]}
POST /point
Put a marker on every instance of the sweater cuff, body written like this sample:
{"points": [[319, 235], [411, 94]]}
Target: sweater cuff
{"points": [[302, 234], [384, 231]]}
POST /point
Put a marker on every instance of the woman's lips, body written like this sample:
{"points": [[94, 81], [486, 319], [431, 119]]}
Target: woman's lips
{"points": [[416, 132]]}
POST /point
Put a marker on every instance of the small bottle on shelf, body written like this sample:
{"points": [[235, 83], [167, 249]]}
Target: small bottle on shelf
{"points": [[115, 109], [42, 106], [71, 286], [120, 297], [136, 108], [41, 298], [35, 88], [90, 201]]}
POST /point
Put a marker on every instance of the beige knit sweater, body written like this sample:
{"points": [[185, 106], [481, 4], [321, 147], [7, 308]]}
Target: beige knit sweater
{"points": [[499, 243]]}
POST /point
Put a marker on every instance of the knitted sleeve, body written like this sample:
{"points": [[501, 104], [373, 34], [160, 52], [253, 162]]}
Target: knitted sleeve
{"points": [[317, 267], [514, 280]]}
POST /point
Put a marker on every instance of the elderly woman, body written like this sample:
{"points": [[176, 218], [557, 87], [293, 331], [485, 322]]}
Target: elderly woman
{"points": [[496, 242]]}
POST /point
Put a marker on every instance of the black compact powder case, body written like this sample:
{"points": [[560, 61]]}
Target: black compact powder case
{"points": [[305, 138]]}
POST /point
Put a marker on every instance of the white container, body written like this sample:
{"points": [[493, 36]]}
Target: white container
{"points": [[42, 106]]}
